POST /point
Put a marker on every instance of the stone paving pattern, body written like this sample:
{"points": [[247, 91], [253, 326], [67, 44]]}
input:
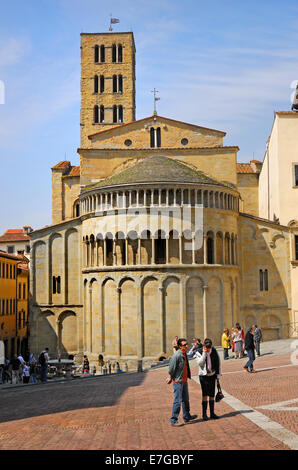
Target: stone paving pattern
{"points": [[132, 411]]}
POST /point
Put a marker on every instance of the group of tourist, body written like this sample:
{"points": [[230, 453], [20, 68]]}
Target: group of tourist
{"points": [[17, 370], [239, 342], [209, 372]]}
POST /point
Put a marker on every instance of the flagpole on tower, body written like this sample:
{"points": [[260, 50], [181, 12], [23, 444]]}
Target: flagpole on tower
{"points": [[113, 21]]}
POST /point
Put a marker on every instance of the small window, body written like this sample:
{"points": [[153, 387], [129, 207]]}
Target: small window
{"points": [[128, 143], [10, 249], [114, 53], [27, 248], [296, 175], [120, 55], [184, 141], [296, 247], [96, 84], [54, 288], [102, 114], [102, 54], [114, 83], [102, 84], [96, 53], [95, 114]]}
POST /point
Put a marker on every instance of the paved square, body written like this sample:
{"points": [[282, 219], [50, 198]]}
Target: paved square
{"points": [[132, 411]]}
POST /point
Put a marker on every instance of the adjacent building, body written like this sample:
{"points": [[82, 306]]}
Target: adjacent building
{"points": [[16, 239], [14, 302]]}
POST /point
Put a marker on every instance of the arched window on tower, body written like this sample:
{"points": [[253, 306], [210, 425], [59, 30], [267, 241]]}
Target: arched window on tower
{"points": [[102, 114], [102, 84], [96, 53], [114, 53], [120, 113], [115, 84], [102, 54], [114, 113], [120, 53], [95, 114], [120, 84], [96, 84]]}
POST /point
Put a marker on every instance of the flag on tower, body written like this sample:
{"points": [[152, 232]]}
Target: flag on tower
{"points": [[114, 20]]}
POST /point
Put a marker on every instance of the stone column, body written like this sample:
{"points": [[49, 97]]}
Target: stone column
{"points": [[167, 249], [167, 197], [232, 301], [180, 249], [205, 248], [153, 249], [114, 253], [119, 319], [104, 251], [162, 320], [89, 336], [139, 250], [193, 250], [126, 251], [230, 251], [223, 249], [140, 334], [214, 249]]}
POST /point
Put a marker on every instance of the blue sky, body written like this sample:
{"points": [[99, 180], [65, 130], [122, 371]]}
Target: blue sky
{"points": [[225, 65]]}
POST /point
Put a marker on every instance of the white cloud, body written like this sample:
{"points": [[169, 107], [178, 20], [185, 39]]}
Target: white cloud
{"points": [[12, 50]]}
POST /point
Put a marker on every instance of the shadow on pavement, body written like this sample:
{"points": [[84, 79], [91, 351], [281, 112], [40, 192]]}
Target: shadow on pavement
{"points": [[27, 402], [227, 415]]}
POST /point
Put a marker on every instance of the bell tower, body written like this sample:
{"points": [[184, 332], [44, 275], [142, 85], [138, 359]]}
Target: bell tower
{"points": [[107, 82]]}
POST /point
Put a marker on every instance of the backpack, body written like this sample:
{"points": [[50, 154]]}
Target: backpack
{"points": [[41, 359]]}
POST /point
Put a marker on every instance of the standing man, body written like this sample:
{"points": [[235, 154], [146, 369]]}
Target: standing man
{"points": [[15, 370], [257, 338], [179, 372], [250, 349], [43, 361]]}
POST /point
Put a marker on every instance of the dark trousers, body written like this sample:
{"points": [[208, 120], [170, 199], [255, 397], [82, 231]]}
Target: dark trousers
{"points": [[257, 345], [180, 397], [44, 370], [251, 358], [226, 353]]}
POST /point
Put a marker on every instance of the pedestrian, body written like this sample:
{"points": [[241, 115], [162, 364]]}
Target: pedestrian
{"points": [[225, 342], [15, 369], [209, 373], [86, 366], [239, 328], [26, 373], [174, 344], [250, 349], [257, 338], [237, 340], [196, 345], [179, 372], [32, 358], [43, 361], [33, 372]]}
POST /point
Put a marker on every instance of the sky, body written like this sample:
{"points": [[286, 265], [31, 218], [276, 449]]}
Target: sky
{"points": [[224, 65]]}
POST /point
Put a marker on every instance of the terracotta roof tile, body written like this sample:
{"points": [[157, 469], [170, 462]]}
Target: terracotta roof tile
{"points": [[75, 171], [244, 168], [14, 235], [61, 165]]}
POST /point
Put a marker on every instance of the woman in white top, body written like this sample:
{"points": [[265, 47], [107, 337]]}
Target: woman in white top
{"points": [[237, 338], [209, 372]]}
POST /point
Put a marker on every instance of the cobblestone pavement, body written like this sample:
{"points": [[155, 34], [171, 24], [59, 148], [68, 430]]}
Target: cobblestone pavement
{"points": [[132, 411]]}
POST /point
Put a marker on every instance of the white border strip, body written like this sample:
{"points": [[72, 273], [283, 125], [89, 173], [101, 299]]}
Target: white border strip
{"points": [[273, 428]]}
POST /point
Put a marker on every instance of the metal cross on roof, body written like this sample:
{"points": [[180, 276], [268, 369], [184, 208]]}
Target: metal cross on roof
{"points": [[154, 91]]}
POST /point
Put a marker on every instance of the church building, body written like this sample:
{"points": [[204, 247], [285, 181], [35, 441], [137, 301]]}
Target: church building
{"points": [[159, 232]]}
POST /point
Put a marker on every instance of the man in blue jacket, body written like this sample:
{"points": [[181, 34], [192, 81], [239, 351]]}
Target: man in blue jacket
{"points": [[179, 372]]}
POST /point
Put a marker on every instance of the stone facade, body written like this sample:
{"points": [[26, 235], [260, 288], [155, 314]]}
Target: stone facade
{"points": [[157, 233]]}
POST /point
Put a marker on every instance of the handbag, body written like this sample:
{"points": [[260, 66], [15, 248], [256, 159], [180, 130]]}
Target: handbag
{"points": [[219, 396]]}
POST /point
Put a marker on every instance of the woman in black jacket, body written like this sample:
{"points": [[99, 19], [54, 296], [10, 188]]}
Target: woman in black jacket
{"points": [[250, 349]]}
